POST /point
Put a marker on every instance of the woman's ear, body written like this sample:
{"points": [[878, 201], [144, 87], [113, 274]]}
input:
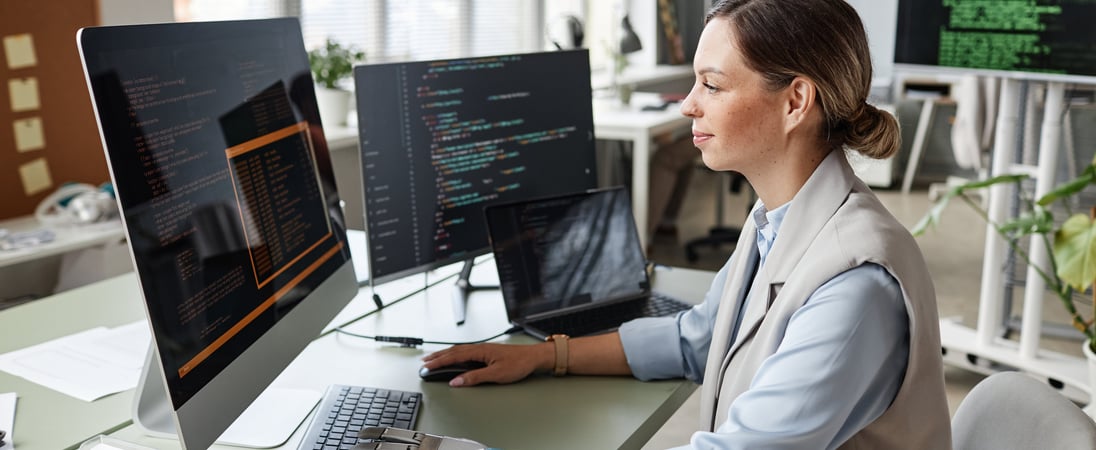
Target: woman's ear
{"points": [[800, 101]]}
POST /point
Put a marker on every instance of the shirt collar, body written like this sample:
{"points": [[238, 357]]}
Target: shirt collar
{"points": [[768, 224]]}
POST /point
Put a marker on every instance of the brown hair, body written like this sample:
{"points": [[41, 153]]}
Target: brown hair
{"points": [[822, 40]]}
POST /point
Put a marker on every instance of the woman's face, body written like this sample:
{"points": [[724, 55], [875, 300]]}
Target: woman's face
{"points": [[737, 122]]}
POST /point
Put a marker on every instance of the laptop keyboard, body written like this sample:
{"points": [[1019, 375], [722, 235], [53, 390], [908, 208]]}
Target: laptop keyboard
{"points": [[610, 317], [345, 410]]}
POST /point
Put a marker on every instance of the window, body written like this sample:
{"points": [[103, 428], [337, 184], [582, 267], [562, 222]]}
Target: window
{"points": [[396, 30]]}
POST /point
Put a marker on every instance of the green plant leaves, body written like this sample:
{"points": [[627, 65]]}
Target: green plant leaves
{"points": [[333, 62], [932, 218], [1075, 252], [1069, 188], [1037, 221]]}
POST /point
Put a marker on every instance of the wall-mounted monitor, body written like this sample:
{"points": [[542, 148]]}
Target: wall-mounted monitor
{"points": [[1026, 39]]}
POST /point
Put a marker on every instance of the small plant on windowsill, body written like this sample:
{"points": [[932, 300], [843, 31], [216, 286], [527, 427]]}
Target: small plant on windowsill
{"points": [[333, 64], [1071, 245]]}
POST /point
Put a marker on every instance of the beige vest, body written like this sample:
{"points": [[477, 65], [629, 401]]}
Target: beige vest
{"points": [[834, 224]]}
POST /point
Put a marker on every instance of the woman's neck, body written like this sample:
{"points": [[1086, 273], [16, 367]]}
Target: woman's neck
{"points": [[778, 181]]}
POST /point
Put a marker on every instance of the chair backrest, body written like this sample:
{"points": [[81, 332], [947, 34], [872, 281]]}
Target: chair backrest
{"points": [[1010, 410]]}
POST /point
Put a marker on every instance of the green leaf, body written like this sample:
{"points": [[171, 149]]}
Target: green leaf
{"points": [[333, 62], [1037, 221], [1009, 178], [1075, 252], [932, 218], [1069, 188]]}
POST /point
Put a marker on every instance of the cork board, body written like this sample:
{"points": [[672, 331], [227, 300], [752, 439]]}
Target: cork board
{"points": [[48, 134]]}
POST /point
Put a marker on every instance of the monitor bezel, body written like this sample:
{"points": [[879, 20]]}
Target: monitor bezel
{"points": [[201, 419]]}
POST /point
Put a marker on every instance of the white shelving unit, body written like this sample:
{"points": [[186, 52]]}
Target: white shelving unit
{"points": [[983, 349]]}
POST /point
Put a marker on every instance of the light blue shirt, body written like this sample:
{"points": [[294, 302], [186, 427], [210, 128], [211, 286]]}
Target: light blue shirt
{"points": [[837, 369]]}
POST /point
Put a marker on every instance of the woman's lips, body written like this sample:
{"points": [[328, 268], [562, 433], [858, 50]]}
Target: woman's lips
{"points": [[700, 138]]}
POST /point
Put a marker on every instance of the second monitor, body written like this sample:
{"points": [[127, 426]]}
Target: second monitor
{"points": [[442, 139]]}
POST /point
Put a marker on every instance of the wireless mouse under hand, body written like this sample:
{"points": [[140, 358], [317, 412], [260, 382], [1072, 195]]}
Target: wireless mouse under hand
{"points": [[446, 373]]}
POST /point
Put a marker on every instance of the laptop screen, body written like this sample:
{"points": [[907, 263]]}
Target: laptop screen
{"points": [[567, 252]]}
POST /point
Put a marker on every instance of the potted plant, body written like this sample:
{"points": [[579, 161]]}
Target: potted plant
{"points": [[1071, 244], [331, 65]]}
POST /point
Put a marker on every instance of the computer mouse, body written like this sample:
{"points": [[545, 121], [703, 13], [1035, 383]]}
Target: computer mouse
{"points": [[446, 373]]}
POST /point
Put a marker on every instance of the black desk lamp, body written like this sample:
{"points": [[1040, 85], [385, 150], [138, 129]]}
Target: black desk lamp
{"points": [[629, 41]]}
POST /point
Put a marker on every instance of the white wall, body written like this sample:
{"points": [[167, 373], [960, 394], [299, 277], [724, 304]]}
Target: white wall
{"points": [[126, 12], [880, 18]]}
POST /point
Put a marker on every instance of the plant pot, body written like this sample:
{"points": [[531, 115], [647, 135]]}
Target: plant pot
{"points": [[334, 105], [1090, 409]]}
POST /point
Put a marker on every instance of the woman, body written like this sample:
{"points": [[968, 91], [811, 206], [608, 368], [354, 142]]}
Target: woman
{"points": [[821, 331]]}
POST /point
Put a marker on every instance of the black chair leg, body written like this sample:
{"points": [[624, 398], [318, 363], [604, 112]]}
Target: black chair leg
{"points": [[719, 234]]}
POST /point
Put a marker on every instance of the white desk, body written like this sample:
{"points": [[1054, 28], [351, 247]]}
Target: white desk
{"points": [[67, 239], [615, 121], [65, 262]]}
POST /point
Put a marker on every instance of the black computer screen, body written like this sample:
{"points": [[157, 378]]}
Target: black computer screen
{"points": [[1039, 39], [440, 140], [219, 161]]}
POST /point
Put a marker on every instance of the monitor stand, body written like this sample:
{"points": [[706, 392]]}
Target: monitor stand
{"points": [[463, 289], [268, 422]]}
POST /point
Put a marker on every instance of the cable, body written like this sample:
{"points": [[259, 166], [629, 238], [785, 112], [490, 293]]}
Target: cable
{"points": [[415, 342]]}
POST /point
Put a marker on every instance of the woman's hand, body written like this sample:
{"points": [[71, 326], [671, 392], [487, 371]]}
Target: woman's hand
{"points": [[506, 363]]}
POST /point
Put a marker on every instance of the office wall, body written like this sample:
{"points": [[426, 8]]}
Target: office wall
{"points": [[125, 12], [880, 19], [47, 130]]}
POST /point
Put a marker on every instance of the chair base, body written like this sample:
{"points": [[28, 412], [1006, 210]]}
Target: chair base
{"points": [[716, 237]]}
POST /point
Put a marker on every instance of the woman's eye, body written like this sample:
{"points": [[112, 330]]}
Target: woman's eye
{"points": [[711, 89]]}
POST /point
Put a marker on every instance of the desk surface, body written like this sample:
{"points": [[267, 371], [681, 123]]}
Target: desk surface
{"points": [[601, 412], [66, 239]]}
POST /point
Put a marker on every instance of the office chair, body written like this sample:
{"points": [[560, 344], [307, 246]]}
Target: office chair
{"points": [[720, 233], [1010, 410]]}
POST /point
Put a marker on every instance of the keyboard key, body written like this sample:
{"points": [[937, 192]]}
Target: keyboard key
{"points": [[345, 410]]}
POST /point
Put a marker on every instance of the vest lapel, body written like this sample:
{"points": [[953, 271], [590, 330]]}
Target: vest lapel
{"points": [[734, 291]]}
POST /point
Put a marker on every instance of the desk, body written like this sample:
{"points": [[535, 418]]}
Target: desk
{"points": [[602, 412], [47, 419], [40, 270], [615, 121], [66, 239]]}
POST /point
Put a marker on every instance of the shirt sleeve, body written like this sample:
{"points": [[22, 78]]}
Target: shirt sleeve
{"points": [[673, 347], [837, 369]]}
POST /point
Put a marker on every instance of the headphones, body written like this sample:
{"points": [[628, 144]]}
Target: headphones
{"points": [[77, 204]]}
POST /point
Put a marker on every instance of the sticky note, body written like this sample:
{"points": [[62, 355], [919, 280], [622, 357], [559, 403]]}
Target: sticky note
{"points": [[24, 94], [35, 175], [19, 49], [28, 134]]}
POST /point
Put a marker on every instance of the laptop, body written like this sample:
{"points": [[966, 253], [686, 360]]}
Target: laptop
{"points": [[573, 264]]}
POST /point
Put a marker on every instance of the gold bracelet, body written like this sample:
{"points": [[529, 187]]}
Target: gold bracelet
{"points": [[561, 353]]}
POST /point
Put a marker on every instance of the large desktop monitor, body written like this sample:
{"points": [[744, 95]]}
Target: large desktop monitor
{"points": [[440, 140], [227, 193], [1042, 40]]}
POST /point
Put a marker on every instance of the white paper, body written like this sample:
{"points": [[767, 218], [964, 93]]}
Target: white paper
{"points": [[7, 419], [28, 134], [19, 49], [24, 94], [86, 365]]}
